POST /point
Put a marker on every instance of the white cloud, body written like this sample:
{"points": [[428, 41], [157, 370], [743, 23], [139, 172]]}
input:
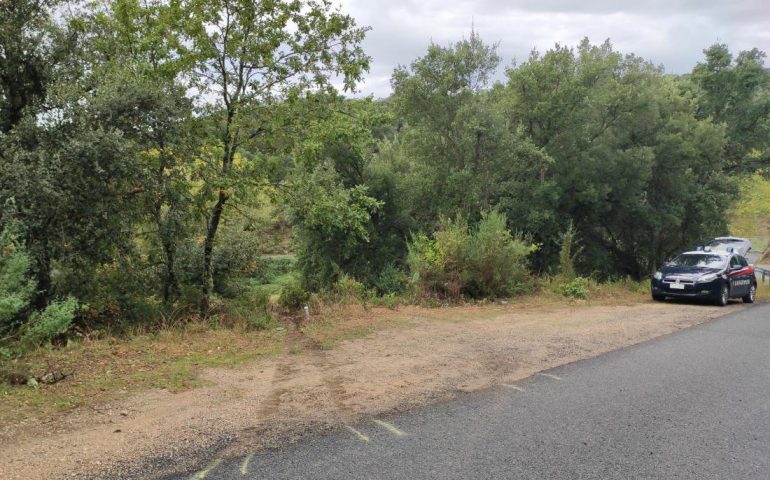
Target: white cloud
{"points": [[667, 32]]}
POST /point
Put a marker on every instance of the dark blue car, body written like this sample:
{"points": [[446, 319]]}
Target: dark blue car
{"points": [[718, 276]]}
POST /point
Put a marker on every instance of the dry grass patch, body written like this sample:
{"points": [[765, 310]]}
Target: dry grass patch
{"points": [[337, 323], [102, 368]]}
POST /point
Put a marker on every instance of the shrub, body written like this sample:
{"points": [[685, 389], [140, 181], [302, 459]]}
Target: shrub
{"points": [[251, 309], [391, 280], [16, 318], [43, 326], [486, 262], [16, 288], [567, 253], [349, 290], [271, 267], [389, 300], [578, 287], [438, 264], [236, 255], [497, 260], [293, 296]]}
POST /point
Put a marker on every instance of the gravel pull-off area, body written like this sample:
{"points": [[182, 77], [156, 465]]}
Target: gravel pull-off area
{"points": [[437, 354]]}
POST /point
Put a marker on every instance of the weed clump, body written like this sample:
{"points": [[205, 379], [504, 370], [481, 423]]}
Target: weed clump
{"points": [[293, 296], [578, 287], [484, 262]]}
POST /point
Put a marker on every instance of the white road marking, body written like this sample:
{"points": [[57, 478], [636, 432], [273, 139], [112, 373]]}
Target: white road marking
{"points": [[202, 474], [549, 376], [389, 427], [358, 434], [245, 464], [514, 387]]}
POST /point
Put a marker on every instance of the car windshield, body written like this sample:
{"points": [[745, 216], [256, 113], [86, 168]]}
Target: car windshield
{"points": [[699, 260]]}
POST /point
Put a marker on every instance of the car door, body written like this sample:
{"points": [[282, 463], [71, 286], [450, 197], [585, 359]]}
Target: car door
{"points": [[738, 275], [747, 273]]}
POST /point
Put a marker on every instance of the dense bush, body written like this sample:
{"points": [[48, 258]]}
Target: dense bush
{"points": [[237, 256], [567, 254], [487, 261], [578, 287], [251, 309], [16, 288], [18, 318], [293, 296], [349, 290], [270, 267], [391, 281], [45, 325]]}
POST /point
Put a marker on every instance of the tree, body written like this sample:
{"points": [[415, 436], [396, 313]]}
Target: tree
{"points": [[736, 92], [465, 157], [135, 46], [31, 47], [247, 55], [634, 169]]}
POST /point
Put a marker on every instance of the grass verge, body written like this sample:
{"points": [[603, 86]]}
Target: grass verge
{"points": [[102, 369]]}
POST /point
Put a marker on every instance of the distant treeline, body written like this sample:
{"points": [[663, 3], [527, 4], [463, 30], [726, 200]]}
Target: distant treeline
{"points": [[142, 142]]}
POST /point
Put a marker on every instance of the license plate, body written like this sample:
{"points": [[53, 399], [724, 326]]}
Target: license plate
{"points": [[677, 286]]}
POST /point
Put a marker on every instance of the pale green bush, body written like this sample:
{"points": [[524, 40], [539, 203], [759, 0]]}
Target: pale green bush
{"points": [[487, 261]]}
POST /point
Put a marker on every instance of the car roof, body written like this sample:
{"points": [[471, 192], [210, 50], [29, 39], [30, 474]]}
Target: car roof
{"points": [[718, 253], [734, 239]]}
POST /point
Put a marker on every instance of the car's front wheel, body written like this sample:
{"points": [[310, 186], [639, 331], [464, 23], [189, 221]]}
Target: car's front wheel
{"points": [[749, 298], [724, 296], [658, 298]]}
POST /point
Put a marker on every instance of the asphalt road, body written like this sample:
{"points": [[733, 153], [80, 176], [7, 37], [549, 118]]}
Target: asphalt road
{"points": [[692, 405]]}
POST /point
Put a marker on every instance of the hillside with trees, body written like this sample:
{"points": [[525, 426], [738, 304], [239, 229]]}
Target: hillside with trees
{"points": [[195, 158]]}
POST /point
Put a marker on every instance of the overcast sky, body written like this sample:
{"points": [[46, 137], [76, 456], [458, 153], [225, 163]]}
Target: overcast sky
{"points": [[672, 33]]}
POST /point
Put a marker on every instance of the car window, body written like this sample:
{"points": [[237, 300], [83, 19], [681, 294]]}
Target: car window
{"points": [[744, 262], [734, 262], [724, 242], [699, 260]]}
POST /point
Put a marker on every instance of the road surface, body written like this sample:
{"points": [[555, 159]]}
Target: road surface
{"points": [[692, 405]]}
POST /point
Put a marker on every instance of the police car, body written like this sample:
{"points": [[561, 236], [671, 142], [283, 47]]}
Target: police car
{"points": [[715, 275]]}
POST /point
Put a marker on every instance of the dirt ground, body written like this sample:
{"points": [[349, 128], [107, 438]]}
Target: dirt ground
{"points": [[425, 355]]}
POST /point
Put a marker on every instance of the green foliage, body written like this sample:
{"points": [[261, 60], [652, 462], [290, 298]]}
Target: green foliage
{"points": [[633, 167], [138, 139], [270, 268], [497, 260], [45, 325], [484, 262], [244, 55], [736, 91], [17, 318], [251, 308], [567, 253], [391, 281], [16, 288], [389, 300], [349, 290], [293, 296], [577, 287], [237, 257], [748, 217], [331, 221]]}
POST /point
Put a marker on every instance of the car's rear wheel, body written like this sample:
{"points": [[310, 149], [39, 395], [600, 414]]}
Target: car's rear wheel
{"points": [[749, 298], [724, 296]]}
